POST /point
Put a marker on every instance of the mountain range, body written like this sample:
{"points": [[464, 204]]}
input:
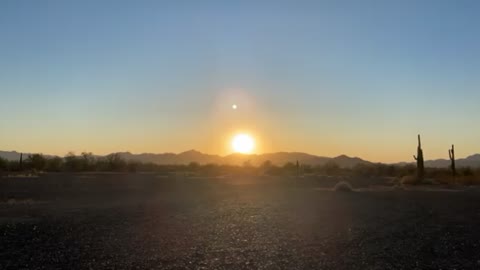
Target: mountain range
{"points": [[278, 158]]}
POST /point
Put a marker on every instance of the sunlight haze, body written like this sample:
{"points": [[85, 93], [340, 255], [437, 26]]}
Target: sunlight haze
{"points": [[320, 77]]}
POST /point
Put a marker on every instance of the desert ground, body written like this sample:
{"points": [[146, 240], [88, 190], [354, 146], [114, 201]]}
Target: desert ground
{"points": [[147, 221]]}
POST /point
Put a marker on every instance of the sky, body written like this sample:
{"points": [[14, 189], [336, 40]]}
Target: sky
{"points": [[360, 78]]}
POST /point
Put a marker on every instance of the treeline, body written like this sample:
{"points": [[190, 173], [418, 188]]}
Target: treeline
{"points": [[87, 162]]}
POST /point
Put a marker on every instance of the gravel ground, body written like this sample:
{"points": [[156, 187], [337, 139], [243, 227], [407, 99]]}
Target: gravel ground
{"points": [[146, 222]]}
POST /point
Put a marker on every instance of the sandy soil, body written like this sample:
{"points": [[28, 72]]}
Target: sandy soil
{"points": [[119, 221]]}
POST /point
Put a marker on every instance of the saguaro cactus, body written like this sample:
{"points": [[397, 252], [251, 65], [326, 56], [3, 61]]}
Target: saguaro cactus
{"points": [[21, 161], [451, 154], [419, 159]]}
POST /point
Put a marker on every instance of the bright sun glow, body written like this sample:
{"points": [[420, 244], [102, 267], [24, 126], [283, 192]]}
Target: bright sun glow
{"points": [[243, 143]]}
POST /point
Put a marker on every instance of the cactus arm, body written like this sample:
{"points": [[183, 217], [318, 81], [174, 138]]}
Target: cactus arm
{"points": [[414, 157]]}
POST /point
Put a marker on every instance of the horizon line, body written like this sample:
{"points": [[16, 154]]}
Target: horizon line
{"points": [[233, 153]]}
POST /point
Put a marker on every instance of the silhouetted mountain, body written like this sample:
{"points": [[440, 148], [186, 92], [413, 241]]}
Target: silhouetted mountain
{"points": [[171, 158], [14, 155], [348, 162], [279, 158], [470, 161], [11, 155]]}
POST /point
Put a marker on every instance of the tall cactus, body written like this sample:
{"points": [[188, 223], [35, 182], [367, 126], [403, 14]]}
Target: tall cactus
{"points": [[451, 154], [21, 161], [419, 159]]}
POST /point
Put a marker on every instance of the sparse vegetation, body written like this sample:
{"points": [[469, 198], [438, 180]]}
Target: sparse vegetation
{"points": [[3, 164], [87, 162], [343, 186]]}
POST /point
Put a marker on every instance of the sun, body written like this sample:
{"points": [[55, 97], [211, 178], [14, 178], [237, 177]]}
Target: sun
{"points": [[243, 143]]}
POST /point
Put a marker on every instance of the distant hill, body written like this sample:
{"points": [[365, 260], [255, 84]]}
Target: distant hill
{"points": [[11, 155], [278, 158], [470, 161], [171, 158]]}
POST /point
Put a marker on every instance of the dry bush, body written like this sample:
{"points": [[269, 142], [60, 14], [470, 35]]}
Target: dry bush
{"points": [[343, 186], [409, 180], [467, 180]]}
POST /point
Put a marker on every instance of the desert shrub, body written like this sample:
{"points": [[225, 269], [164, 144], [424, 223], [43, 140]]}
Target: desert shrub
{"points": [[387, 170], [406, 170], [275, 171], [306, 168], [54, 164], [209, 170], [115, 162], [465, 180], [133, 166], [438, 173], [148, 167], [13, 165], [363, 170], [3, 164], [409, 180], [36, 162], [343, 186], [266, 167], [87, 162], [378, 169], [72, 162], [193, 166], [331, 168], [289, 168], [466, 171]]}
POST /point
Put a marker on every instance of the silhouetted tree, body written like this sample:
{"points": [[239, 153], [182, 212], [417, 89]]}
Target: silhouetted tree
{"points": [[36, 162], [331, 168], [467, 171], [3, 164], [88, 162], [266, 167], [361, 169], [193, 166], [307, 168], [72, 162], [289, 167], [247, 164], [115, 162], [54, 164], [133, 166]]}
